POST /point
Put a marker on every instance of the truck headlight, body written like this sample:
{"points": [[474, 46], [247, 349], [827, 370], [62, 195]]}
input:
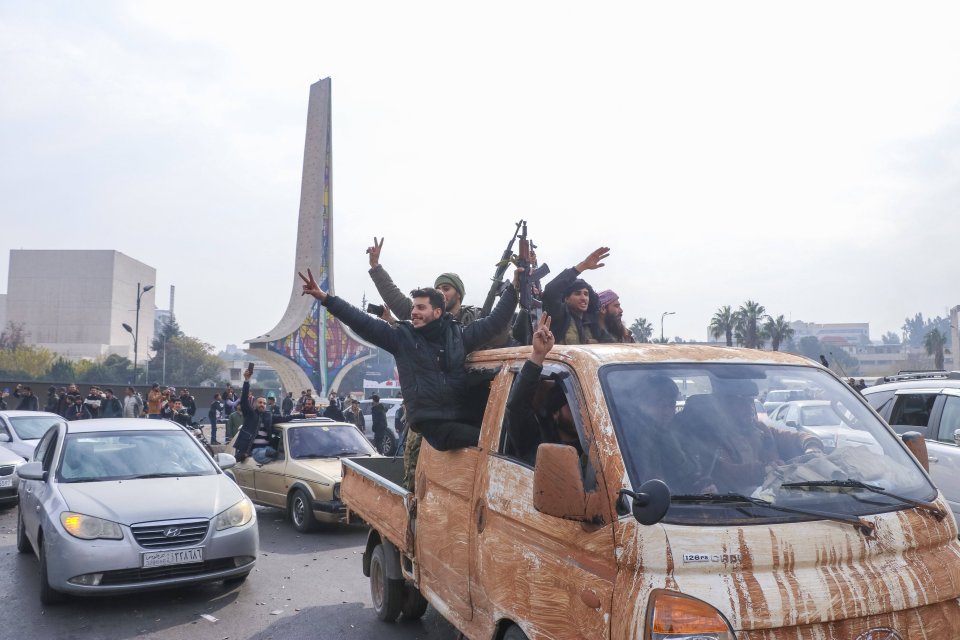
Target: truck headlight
{"points": [[336, 491], [236, 516], [90, 528], [674, 616]]}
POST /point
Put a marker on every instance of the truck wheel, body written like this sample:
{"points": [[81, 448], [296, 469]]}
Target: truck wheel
{"points": [[414, 604], [514, 633], [301, 511], [387, 594], [23, 543], [48, 595]]}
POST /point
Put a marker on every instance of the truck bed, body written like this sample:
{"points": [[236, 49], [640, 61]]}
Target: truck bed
{"points": [[371, 488]]}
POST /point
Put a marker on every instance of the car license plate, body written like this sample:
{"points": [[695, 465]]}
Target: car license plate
{"points": [[167, 558], [6, 482]]}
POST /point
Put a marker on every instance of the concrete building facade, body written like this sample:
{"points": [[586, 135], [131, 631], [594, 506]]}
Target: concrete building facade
{"points": [[75, 302]]}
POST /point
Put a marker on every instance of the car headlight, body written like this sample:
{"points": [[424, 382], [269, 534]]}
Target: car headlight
{"points": [[336, 491], [90, 528], [674, 616], [236, 516]]}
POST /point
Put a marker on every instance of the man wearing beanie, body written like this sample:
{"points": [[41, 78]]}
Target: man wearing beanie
{"points": [[430, 350], [611, 316], [449, 284], [574, 306]]}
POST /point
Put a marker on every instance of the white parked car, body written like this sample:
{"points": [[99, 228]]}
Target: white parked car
{"points": [[20, 431], [821, 418]]}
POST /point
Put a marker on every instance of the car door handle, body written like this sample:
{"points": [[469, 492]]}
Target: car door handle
{"points": [[933, 459]]}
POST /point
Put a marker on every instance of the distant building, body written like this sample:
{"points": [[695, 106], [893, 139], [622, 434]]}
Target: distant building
{"points": [[844, 335], [75, 302]]}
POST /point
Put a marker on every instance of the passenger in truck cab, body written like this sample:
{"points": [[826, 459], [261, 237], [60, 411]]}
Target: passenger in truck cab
{"points": [[538, 412]]}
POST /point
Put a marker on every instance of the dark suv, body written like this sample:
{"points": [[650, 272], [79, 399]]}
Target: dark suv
{"points": [[929, 403]]}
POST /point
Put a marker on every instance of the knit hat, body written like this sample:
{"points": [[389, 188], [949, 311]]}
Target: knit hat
{"points": [[607, 296], [451, 279], [576, 285]]}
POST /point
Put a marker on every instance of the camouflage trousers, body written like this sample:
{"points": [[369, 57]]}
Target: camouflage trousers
{"points": [[411, 451]]}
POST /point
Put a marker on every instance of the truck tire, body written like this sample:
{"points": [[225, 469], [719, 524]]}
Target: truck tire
{"points": [[514, 633], [387, 594], [300, 508], [414, 604]]}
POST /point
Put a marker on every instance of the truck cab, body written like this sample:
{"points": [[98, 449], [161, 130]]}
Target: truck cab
{"points": [[699, 523]]}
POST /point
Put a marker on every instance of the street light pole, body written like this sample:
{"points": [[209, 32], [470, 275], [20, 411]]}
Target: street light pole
{"points": [[662, 316], [135, 331]]}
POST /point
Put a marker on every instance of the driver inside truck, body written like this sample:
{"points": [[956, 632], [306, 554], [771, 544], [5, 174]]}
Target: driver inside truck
{"points": [[732, 446]]}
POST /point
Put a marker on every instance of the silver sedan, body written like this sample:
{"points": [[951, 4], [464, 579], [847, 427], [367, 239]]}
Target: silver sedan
{"points": [[9, 478], [121, 505]]}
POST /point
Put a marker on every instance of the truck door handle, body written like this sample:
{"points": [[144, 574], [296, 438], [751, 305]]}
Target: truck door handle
{"points": [[481, 518]]}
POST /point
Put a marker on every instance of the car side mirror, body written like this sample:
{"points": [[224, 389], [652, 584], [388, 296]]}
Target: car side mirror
{"points": [[956, 437], [918, 447], [792, 424], [558, 486], [4, 437], [225, 461], [32, 471]]}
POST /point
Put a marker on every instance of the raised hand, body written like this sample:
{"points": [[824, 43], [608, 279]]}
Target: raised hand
{"points": [[592, 261], [374, 252], [543, 339], [310, 286]]}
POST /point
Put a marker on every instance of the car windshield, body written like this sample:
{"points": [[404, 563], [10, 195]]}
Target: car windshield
{"points": [[696, 428], [327, 441], [33, 427], [128, 455]]}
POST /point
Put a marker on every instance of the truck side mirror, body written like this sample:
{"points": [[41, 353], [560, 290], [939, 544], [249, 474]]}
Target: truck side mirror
{"points": [[558, 486], [918, 447]]}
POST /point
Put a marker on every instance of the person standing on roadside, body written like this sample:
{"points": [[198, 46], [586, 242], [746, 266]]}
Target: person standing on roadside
{"points": [[28, 401], [286, 407], [132, 404], [154, 402], [354, 415], [53, 400], [110, 406], [188, 403], [78, 410], [214, 414]]}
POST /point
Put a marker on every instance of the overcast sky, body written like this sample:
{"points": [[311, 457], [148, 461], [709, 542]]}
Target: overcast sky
{"points": [[803, 156]]}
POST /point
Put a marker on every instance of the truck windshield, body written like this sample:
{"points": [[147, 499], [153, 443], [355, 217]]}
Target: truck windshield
{"points": [[696, 427]]}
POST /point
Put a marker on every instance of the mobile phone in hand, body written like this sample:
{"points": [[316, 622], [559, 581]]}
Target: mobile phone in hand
{"points": [[250, 368], [375, 309]]}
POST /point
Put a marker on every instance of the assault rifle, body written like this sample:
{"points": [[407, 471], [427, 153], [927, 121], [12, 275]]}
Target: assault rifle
{"points": [[497, 284], [530, 305]]}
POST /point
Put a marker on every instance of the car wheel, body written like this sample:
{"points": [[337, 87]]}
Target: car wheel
{"points": [[301, 511], [387, 594], [48, 595], [388, 444], [514, 633], [414, 604], [235, 580], [23, 543]]}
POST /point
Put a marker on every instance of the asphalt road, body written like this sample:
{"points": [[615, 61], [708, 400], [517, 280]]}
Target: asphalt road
{"points": [[304, 586]]}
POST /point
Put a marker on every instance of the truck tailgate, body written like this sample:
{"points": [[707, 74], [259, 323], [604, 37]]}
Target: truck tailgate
{"points": [[371, 489]]}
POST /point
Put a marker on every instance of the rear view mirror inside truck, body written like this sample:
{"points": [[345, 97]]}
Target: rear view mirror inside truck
{"points": [[558, 486]]}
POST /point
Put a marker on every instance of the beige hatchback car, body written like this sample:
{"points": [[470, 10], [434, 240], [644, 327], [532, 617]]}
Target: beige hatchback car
{"points": [[305, 477]]}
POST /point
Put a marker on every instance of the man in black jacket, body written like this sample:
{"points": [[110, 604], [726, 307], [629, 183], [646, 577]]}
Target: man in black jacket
{"points": [[257, 430], [110, 406], [430, 350], [28, 401]]}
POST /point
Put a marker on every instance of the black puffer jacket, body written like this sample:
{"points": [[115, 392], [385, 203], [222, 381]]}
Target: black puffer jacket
{"points": [[430, 359], [590, 329]]}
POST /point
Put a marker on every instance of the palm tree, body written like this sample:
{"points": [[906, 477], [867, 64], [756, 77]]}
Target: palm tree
{"points": [[934, 342], [778, 330], [723, 323], [749, 316], [641, 330]]}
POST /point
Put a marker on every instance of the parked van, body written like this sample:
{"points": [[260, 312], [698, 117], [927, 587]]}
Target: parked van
{"points": [[701, 524]]}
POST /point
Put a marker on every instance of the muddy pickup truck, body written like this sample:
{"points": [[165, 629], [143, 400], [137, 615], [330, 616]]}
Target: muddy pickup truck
{"points": [[699, 521]]}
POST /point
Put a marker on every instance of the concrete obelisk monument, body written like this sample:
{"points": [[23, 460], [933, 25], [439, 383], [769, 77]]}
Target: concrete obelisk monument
{"points": [[309, 348]]}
